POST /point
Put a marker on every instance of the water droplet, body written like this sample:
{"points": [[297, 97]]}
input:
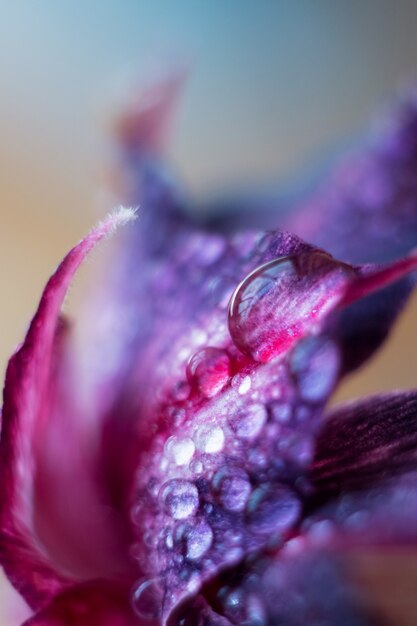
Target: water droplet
{"points": [[181, 391], [257, 458], [233, 604], [197, 467], [315, 363], [297, 446], [169, 540], [182, 450], [198, 540], [208, 371], [147, 600], [272, 509], [244, 386], [209, 438], [212, 250], [233, 488], [180, 498], [249, 423], [280, 411], [282, 300]]}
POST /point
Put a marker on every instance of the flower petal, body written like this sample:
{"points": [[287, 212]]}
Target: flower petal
{"points": [[223, 472], [97, 603], [170, 271], [364, 473], [366, 442], [313, 587], [27, 400], [363, 209]]}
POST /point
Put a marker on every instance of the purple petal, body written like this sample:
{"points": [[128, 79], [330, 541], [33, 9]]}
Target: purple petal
{"points": [[367, 208], [364, 472], [366, 442], [224, 474], [363, 209], [312, 587]]}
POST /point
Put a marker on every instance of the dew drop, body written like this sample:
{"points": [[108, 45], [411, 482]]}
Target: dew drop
{"points": [[272, 509], [282, 300], [280, 411], [209, 438], [198, 540], [147, 600], [208, 371], [233, 488], [197, 467], [315, 363], [233, 604], [181, 391], [244, 386], [181, 450], [180, 498], [249, 423]]}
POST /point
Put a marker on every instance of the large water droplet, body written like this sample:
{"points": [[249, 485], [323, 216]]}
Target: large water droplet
{"points": [[282, 300], [209, 438], [248, 424], [147, 600], [233, 488], [198, 540], [208, 371], [180, 498]]}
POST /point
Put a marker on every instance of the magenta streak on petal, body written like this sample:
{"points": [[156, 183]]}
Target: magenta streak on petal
{"points": [[281, 301], [375, 279], [25, 400]]}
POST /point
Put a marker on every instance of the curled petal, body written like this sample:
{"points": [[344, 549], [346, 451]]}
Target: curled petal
{"points": [[28, 396]]}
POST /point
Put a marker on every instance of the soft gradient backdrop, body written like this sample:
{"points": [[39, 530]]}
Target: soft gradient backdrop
{"points": [[273, 86]]}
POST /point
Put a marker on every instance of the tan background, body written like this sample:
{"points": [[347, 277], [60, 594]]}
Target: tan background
{"points": [[273, 84]]}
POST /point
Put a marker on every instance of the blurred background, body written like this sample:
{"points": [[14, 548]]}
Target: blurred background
{"points": [[273, 86]]}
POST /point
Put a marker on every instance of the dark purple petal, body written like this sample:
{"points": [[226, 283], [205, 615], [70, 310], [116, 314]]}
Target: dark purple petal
{"points": [[364, 472], [29, 397], [367, 442], [312, 587]]}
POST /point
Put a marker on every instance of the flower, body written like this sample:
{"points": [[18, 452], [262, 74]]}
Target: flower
{"points": [[186, 470]]}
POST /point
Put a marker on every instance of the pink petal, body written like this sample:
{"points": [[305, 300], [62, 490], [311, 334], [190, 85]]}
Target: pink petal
{"points": [[28, 397], [96, 603]]}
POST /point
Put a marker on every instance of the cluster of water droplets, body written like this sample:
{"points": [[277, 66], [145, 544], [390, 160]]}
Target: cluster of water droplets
{"points": [[230, 478]]}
